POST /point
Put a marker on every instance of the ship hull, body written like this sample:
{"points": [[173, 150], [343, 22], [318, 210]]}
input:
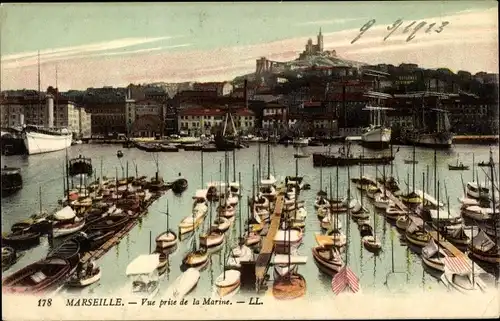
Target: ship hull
{"points": [[442, 141], [378, 138], [38, 143]]}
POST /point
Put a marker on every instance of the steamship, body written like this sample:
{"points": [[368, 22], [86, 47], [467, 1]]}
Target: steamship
{"points": [[39, 139]]}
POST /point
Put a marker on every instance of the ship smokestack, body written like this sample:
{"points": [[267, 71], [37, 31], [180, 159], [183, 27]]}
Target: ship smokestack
{"points": [[50, 111], [21, 119]]}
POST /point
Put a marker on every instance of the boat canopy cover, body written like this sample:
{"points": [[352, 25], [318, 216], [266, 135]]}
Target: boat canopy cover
{"points": [[412, 227], [66, 213], [270, 181], [228, 278], [201, 193], [428, 198], [458, 233], [444, 214], [482, 242], [143, 264], [430, 249], [474, 185]]}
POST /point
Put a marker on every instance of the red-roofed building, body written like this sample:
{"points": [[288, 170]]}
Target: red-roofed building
{"points": [[203, 120]]}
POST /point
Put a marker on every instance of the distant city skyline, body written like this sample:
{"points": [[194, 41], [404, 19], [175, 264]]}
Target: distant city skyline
{"points": [[95, 45]]}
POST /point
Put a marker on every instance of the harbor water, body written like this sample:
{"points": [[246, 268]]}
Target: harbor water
{"points": [[396, 268]]}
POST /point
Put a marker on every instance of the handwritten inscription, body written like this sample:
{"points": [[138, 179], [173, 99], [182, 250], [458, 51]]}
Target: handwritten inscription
{"points": [[412, 28]]}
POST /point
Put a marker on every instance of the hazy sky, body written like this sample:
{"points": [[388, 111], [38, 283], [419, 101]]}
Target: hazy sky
{"points": [[116, 44]]}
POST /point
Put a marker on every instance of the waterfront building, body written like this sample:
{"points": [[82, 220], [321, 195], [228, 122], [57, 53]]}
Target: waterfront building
{"points": [[274, 115], [145, 118], [198, 121], [221, 88], [107, 107], [33, 109]]}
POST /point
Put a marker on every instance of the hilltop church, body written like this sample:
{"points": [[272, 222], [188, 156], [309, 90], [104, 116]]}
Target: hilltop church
{"points": [[316, 49]]}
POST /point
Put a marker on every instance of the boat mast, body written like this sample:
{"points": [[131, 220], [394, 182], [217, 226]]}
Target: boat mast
{"points": [[437, 234], [413, 169], [168, 214], [321, 178], [435, 171], [201, 169], [234, 165], [57, 98], [253, 183], [495, 210], [258, 157], [268, 161], [347, 218], [239, 206], [39, 86], [423, 189], [473, 168]]}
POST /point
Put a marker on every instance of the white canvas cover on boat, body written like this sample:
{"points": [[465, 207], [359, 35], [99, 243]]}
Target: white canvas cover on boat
{"points": [[286, 236], [458, 233], [430, 249], [228, 278], [143, 264], [482, 242], [66, 213], [270, 181], [412, 227], [428, 198], [444, 213], [201, 193], [294, 259]]}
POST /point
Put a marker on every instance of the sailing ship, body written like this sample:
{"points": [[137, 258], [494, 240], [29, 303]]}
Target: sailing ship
{"points": [[377, 135], [431, 125], [44, 139]]}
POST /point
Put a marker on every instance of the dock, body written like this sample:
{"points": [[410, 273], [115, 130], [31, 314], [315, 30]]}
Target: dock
{"points": [[103, 249], [266, 252], [451, 250]]}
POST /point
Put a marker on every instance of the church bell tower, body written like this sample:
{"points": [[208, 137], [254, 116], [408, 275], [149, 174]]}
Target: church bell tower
{"points": [[320, 41]]}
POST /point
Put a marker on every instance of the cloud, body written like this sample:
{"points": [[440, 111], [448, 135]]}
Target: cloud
{"points": [[328, 22], [89, 48], [469, 42]]}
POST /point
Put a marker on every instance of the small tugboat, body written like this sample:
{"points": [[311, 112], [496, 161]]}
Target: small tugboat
{"points": [[12, 180], [179, 185], [80, 165]]}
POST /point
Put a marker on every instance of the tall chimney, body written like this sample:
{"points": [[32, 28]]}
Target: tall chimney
{"points": [[50, 111]]}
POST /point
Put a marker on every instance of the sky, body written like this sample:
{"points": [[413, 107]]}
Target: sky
{"points": [[94, 45]]}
